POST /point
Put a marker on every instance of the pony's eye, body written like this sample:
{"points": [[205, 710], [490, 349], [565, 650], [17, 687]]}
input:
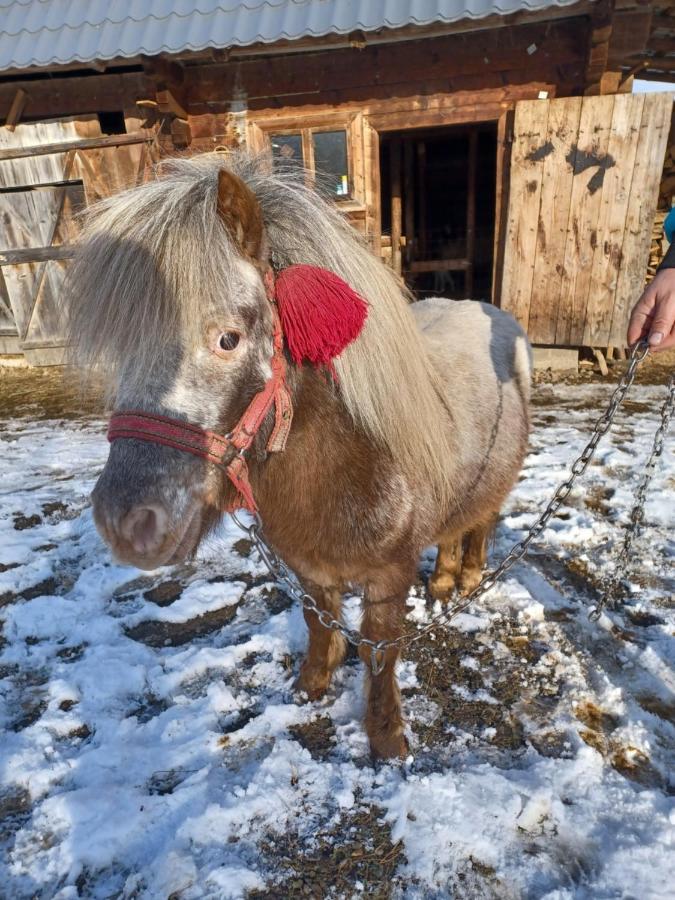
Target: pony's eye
{"points": [[228, 340]]}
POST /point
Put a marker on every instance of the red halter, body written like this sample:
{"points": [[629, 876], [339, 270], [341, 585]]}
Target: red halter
{"points": [[224, 451]]}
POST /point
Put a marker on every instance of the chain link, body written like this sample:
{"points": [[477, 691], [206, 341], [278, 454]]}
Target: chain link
{"points": [[637, 514], [291, 584]]}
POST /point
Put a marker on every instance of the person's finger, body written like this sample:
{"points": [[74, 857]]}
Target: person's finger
{"points": [[667, 343], [641, 316], [662, 323]]}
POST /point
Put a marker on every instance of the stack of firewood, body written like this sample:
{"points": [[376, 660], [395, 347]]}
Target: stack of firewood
{"points": [[659, 244]]}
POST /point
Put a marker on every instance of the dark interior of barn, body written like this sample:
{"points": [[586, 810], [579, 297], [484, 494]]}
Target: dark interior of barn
{"points": [[438, 192]]}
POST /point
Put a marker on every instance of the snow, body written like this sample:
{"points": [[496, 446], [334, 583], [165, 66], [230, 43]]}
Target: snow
{"points": [[146, 755]]}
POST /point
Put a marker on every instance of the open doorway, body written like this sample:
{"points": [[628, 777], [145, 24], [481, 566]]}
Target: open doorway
{"points": [[438, 208]]}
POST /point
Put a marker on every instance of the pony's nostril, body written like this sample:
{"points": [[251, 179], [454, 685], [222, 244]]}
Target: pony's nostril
{"points": [[144, 527]]}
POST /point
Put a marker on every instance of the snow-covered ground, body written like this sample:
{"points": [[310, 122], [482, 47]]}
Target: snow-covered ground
{"points": [[152, 748]]}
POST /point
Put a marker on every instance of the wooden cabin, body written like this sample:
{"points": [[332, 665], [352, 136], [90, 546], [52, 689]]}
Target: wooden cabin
{"points": [[484, 152]]}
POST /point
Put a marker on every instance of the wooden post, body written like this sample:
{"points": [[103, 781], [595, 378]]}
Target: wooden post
{"points": [[422, 194], [409, 201], [504, 141], [16, 109], [471, 213], [395, 151]]}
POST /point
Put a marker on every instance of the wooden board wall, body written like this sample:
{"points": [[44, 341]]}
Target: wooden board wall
{"points": [[583, 191], [40, 197]]}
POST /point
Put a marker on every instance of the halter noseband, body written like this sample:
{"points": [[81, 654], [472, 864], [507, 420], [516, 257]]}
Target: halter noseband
{"points": [[226, 451]]}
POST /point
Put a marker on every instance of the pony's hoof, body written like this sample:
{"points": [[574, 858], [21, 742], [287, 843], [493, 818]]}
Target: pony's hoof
{"points": [[469, 580], [442, 587], [389, 745], [312, 683]]}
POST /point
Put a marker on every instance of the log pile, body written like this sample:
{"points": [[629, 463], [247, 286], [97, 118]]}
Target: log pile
{"points": [[659, 244]]}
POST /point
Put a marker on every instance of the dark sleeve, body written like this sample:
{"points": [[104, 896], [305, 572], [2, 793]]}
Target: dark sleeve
{"points": [[668, 261]]}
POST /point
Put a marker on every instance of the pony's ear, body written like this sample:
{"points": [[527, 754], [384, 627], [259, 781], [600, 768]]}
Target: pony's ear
{"points": [[239, 209]]}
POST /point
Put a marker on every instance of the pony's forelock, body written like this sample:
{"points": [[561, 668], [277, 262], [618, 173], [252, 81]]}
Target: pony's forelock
{"points": [[152, 255]]}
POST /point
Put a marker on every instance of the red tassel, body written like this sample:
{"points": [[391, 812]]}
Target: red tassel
{"points": [[320, 313]]}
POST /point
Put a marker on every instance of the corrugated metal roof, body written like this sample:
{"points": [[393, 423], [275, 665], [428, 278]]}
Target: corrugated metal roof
{"points": [[56, 32]]}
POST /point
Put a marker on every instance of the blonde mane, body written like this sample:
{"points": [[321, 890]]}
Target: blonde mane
{"points": [[149, 254]]}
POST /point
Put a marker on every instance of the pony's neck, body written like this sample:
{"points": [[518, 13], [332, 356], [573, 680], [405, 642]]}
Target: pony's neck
{"points": [[312, 494]]}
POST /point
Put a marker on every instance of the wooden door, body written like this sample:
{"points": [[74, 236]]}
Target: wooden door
{"points": [[40, 196], [583, 189]]}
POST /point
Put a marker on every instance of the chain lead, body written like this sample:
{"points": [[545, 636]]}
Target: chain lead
{"points": [[290, 583]]}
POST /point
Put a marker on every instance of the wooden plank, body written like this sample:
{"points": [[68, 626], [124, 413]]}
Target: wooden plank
{"points": [[654, 128], [588, 158], [7, 323], [350, 71], [471, 213], [16, 109], [502, 175], [530, 129], [556, 192], [409, 200], [61, 96], [113, 140], [616, 190], [422, 197], [396, 222], [373, 194], [441, 265], [36, 254]]}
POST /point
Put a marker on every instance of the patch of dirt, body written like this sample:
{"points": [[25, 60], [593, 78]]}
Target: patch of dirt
{"points": [[15, 809], [595, 718], [165, 593], [440, 673], [175, 634], [636, 766], [317, 736], [44, 588], [662, 708], [357, 848], [242, 547], [50, 392], [23, 523]]}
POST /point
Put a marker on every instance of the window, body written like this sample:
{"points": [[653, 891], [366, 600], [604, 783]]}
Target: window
{"points": [[323, 153], [330, 162], [287, 149]]}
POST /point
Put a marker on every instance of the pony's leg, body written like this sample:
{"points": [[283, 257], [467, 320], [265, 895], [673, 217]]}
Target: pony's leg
{"points": [[383, 620], [475, 556], [326, 648], [448, 566]]}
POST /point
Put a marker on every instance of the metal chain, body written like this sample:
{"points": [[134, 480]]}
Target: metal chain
{"points": [[637, 514], [291, 584]]}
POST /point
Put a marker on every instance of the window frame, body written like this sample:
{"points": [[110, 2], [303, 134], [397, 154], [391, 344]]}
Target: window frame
{"points": [[260, 133]]}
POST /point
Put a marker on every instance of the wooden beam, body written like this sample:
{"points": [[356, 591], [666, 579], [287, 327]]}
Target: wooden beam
{"points": [[168, 103], [471, 213], [60, 96], [16, 109], [441, 265], [113, 140], [36, 254], [396, 221], [598, 48]]}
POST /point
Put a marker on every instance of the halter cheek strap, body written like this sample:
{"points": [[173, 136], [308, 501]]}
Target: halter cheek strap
{"points": [[228, 451]]}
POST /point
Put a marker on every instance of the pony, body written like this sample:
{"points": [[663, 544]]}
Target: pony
{"points": [[414, 437]]}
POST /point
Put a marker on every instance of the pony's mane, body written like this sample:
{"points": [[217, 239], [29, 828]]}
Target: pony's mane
{"points": [[150, 254]]}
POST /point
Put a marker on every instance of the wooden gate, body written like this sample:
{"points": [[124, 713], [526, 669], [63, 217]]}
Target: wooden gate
{"points": [[582, 197], [48, 173]]}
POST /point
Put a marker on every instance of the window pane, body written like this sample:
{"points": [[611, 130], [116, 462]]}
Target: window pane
{"points": [[330, 162], [287, 149]]}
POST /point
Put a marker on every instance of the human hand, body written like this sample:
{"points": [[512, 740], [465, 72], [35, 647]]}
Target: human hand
{"points": [[653, 316]]}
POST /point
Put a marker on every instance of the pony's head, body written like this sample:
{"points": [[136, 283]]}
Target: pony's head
{"points": [[167, 299]]}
